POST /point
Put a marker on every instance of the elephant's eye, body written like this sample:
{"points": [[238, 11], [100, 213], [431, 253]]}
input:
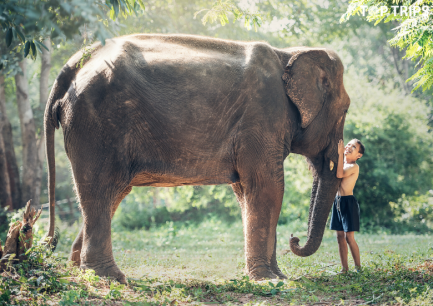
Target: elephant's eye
{"points": [[346, 111]]}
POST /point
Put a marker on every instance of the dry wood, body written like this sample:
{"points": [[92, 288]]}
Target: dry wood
{"points": [[20, 236]]}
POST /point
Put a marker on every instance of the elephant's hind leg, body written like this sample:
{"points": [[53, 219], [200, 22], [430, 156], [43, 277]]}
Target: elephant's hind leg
{"points": [[96, 250], [78, 242], [76, 249], [99, 195]]}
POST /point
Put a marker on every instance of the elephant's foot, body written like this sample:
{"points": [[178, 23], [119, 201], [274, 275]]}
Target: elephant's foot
{"points": [[75, 257], [109, 269], [261, 272]]}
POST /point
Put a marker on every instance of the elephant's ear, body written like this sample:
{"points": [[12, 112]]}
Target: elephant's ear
{"points": [[307, 82]]}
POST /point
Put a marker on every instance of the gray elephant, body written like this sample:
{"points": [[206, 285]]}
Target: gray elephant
{"points": [[174, 110]]}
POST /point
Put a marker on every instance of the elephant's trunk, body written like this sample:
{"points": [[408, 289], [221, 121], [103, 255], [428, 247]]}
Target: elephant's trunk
{"points": [[312, 200], [325, 187]]}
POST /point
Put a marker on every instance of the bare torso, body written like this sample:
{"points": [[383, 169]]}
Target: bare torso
{"points": [[348, 183]]}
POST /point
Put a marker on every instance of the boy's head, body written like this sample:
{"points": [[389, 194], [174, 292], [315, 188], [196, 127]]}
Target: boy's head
{"points": [[354, 149]]}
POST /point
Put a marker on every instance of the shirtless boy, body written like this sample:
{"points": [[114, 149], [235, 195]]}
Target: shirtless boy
{"points": [[345, 211]]}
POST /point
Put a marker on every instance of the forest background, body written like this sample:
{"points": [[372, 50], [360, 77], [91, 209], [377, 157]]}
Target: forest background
{"points": [[395, 124]]}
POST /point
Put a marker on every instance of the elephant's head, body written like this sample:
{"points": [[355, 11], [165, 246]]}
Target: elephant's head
{"points": [[314, 83]]}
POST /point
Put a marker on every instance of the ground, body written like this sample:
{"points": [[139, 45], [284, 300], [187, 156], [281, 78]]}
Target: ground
{"points": [[202, 264]]}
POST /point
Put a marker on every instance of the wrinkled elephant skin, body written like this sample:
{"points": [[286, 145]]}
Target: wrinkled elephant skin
{"points": [[174, 110]]}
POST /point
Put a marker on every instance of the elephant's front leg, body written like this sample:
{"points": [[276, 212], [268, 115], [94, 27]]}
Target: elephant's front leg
{"points": [[260, 200]]}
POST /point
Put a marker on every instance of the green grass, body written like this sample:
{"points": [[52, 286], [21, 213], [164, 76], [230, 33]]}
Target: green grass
{"points": [[182, 264]]}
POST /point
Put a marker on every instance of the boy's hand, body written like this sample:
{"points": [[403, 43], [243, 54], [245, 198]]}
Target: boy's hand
{"points": [[341, 147]]}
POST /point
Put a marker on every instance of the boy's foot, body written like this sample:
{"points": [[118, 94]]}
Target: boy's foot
{"points": [[358, 269]]}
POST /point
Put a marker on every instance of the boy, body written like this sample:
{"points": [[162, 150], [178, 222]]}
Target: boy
{"points": [[345, 211]]}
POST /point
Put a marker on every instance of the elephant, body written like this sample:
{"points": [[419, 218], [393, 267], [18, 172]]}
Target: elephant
{"points": [[174, 110]]}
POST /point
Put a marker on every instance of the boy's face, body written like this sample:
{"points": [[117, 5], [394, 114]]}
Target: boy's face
{"points": [[351, 151]]}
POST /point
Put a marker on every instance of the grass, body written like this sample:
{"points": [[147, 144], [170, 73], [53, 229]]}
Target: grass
{"points": [[184, 264]]}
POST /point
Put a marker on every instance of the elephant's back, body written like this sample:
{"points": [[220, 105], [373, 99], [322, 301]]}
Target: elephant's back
{"points": [[188, 46]]}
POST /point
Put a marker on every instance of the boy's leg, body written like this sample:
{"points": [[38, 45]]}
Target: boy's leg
{"points": [[342, 249], [350, 238]]}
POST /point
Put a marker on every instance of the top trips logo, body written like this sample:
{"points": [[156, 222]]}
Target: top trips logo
{"points": [[401, 10]]}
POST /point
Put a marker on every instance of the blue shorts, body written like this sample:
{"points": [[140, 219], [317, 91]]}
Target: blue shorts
{"points": [[345, 214]]}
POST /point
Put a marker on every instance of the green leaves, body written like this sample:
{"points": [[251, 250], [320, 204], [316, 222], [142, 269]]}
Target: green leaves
{"points": [[20, 35], [33, 47], [115, 291], [30, 48], [37, 19], [413, 34], [9, 37], [220, 12], [27, 48], [275, 288]]}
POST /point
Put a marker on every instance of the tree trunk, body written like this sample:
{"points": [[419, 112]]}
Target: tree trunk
{"points": [[9, 159], [5, 188], [28, 136], [43, 97]]}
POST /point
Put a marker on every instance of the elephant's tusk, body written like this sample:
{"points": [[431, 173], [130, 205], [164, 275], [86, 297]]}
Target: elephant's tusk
{"points": [[331, 165]]}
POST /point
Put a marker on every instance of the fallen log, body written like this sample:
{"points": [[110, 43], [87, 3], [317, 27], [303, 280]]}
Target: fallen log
{"points": [[20, 237]]}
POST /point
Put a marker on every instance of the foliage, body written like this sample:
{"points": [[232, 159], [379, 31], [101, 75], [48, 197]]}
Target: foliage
{"points": [[413, 33], [30, 21], [414, 211], [222, 7], [139, 216]]}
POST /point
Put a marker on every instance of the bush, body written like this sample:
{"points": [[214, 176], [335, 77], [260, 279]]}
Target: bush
{"points": [[414, 213], [137, 217]]}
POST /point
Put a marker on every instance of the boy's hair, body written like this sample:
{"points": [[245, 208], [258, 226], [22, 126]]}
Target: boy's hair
{"points": [[361, 146]]}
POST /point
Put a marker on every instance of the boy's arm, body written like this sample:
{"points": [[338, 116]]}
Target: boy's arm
{"points": [[340, 169]]}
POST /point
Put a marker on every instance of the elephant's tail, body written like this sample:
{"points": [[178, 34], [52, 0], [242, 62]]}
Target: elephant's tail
{"points": [[51, 122]]}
